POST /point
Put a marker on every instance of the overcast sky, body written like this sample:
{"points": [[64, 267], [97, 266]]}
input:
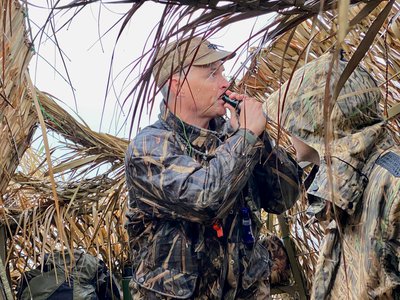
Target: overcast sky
{"points": [[88, 59]]}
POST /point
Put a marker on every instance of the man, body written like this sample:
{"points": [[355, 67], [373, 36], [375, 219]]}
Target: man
{"points": [[356, 189], [196, 183]]}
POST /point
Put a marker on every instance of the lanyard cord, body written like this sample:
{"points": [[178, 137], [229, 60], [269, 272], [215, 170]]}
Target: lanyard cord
{"points": [[185, 143]]}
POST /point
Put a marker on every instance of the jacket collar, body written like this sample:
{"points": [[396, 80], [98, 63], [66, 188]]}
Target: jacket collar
{"points": [[196, 136]]}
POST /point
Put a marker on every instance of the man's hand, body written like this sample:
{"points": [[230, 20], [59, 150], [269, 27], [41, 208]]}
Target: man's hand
{"points": [[251, 115]]}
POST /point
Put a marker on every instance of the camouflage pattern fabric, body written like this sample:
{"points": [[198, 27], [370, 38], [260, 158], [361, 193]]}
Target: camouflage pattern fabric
{"points": [[181, 179], [358, 197]]}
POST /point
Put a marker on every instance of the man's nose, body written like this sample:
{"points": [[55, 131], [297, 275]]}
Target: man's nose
{"points": [[224, 83]]}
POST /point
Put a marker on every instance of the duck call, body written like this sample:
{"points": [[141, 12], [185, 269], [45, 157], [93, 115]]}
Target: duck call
{"points": [[231, 102]]}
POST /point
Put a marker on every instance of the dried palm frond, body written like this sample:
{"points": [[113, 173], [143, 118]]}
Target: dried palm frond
{"points": [[90, 212], [91, 202], [17, 118]]}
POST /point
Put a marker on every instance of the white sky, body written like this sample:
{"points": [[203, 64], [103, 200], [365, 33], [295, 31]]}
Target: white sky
{"points": [[88, 59]]}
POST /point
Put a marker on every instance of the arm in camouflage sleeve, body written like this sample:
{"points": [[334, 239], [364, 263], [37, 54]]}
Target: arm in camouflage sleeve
{"points": [[174, 184], [278, 179]]}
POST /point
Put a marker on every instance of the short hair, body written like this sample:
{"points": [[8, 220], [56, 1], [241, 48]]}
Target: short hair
{"points": [[165, 88]]}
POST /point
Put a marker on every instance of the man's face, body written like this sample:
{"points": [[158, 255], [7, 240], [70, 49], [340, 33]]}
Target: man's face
{"points": [[201, 91]]}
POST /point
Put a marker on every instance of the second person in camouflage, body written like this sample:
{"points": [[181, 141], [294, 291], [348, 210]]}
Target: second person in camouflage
{"points": [[354, 187]]}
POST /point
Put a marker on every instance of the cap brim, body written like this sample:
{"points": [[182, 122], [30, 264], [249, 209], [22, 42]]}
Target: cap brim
{"points": [[214, 57]]}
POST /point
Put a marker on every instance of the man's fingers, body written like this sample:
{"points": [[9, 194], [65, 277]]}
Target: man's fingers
{"points": [[236, 96], [234, 117], [231, 109]]}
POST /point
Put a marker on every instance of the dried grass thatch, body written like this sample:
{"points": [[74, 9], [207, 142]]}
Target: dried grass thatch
{"points": [[72, 196], [91, 203]]}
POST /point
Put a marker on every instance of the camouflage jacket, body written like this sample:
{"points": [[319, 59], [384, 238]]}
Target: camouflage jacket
{"points": [[356, 190], [183, 183]]}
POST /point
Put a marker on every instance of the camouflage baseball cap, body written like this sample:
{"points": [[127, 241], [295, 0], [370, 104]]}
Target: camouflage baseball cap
{"points": [[180, 54]]}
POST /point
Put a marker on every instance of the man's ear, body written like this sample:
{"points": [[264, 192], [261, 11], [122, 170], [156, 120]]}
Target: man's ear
{"points": [[176, 85]]}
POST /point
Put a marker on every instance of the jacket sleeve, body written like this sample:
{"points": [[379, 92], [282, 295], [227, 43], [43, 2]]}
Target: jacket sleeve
{"points": [[278, 179], [169, 183]]}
